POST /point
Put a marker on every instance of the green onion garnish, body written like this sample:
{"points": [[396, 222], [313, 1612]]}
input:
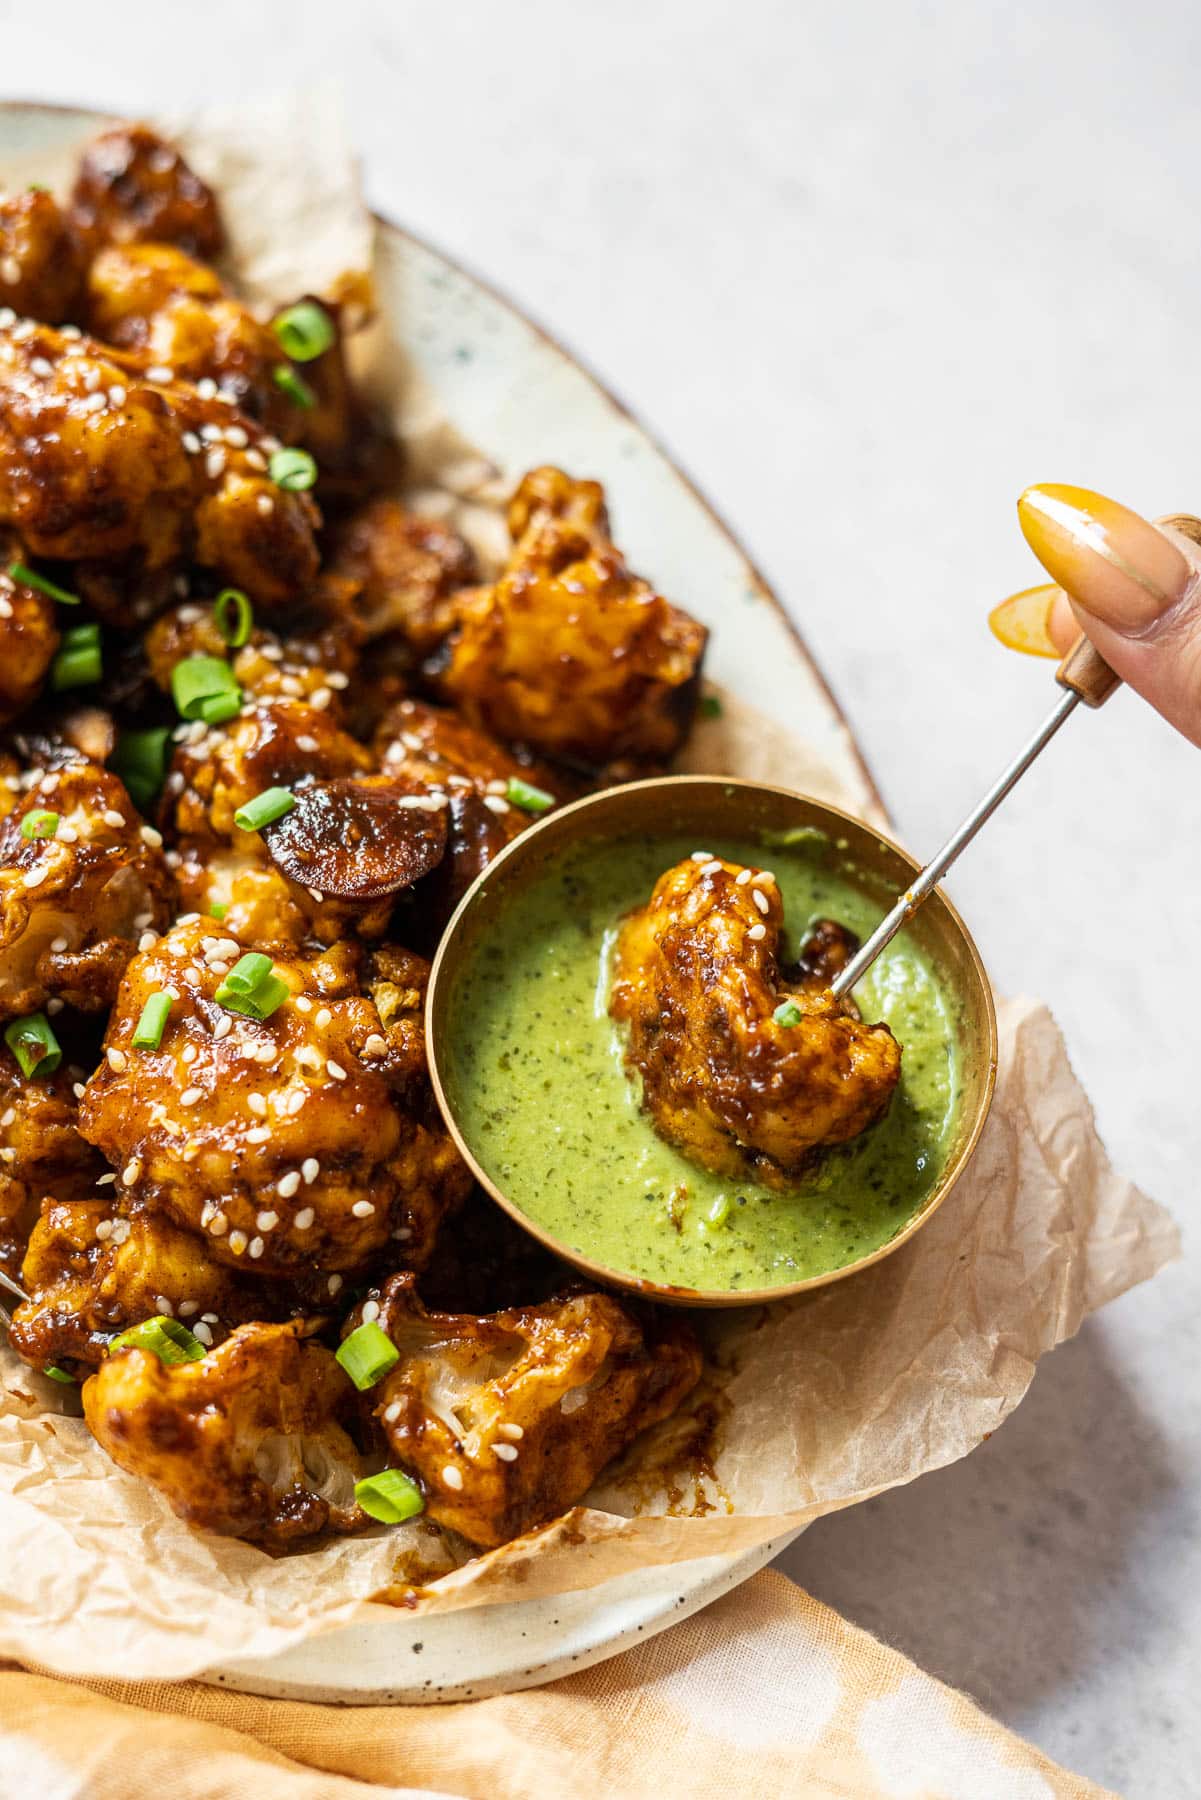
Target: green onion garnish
{"points": [[528, 798], [304, 331], [289, 382], [292, 470], [170, 1341], [140, 759], [219, 709], [148, 1032], [34, 1045], [57, 1374], [787, 1013], [218, 909], [30, 578], [198, 681], [233, 616], [78, 662], [272, 804], [389, 1497], [39, 824], [711, 707], [252, 988], [367, 1354]]}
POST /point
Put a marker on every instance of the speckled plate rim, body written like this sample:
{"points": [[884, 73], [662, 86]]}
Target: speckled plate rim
{"points": [[524, 1644]]}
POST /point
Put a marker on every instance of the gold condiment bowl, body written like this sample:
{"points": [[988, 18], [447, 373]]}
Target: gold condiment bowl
{"points": [[703, 807]]}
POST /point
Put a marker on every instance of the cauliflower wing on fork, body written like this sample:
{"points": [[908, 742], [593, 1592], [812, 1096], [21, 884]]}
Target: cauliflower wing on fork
{"points": [[697, 979], [506, 1419], [247, 1442]]}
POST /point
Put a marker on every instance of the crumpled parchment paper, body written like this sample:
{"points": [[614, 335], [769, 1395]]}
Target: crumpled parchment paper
{"points": [[807, 1406]]}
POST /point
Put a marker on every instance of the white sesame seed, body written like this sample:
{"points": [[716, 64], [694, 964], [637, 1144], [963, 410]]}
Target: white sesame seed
{"points": [[148, 940], [265, 503], [209, 1318], [335, 1070], [757, 933], [104, 1229], [323, 1017], [189, 1055], [256, 459], [761, 900], [77, 1089], [288, 684], [201, 1332], [40, 366], [310, 1168], [495, 804], [120, 1231], [267, 1221], [333, 1284], [164, 1305], [256, 1247], [60, 944], [190, 1096], [375, 1045], [295, 1101], [304, 1218], [316, 895], [116, 1060], [159, 372], [370, 1311], [362, 1209], [152, 837], [259, 1134], [131, 1171], [238, 1242], [452, 1477], [392, 1413], [303, 1003], [211, 434], [6, 609], [308, 1058], [711, 868], [34, 877], [117, 395], [186, 1308], [206, 387], [288, 1184], [506, 1452], [701, 856], [237, 436], [218, 1224], [10, 271], [112, 817], [307, 744], [257, 1105], [191, 443], [320, 698], [513, 1431], [103, 1180], [223, 1027], [765, 878]]}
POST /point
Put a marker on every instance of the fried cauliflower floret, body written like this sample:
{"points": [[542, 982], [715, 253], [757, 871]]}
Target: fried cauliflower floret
{"points": [[94, 1267], [41, 1151], [390, 570], [434, 748], [41, 258], [268, 666], [507, 1419], [697, 979], [176, 312], [133, 188], [73, 906], [276, 743], [246, 1442], [99, 461], [303, 1141], [28, 636], [569, 652]]}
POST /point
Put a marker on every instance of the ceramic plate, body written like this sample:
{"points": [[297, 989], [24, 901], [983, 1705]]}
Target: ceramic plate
{"points": [[525, 400]]}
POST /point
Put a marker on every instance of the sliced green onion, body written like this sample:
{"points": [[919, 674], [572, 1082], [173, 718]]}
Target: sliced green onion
{"points": [[140, 759], [711, 707], [233, 616], [289, 382], [148, 1032], [200, 679], [30, 578], [293, 470], [78, 662], [218, 909], [272, 804], [787, 1013], [34, 1045], [389, 1497], [252, 987], [57, 1374], [170, 1341], [367, 1354], [39, 824], [304, 331], [529, 798], [219, 709]]}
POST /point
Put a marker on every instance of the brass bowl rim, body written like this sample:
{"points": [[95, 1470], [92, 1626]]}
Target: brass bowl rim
{"points": [[523, 845]]}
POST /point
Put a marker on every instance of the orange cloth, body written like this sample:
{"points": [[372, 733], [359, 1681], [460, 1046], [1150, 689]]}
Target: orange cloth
{"points": [[765, 1694]]}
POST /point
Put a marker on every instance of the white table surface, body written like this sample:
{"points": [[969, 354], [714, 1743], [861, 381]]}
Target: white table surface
{"points": [[870, 269]]}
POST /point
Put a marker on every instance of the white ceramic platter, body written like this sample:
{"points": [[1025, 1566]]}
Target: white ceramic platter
{"points": [[525, 400]]}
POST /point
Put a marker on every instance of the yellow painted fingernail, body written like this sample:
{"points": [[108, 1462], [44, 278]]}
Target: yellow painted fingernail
{"points": [[1112, 561], [1023, 622]]}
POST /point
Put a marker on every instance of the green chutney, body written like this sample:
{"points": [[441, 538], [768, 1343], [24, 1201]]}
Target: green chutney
{"points": [[535, 1074]]}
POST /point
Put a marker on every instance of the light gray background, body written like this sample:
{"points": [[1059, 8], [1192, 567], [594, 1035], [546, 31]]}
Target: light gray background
{"points": [[869, 269]]}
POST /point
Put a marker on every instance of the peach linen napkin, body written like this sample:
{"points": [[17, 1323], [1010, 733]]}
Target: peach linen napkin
{"points": [[767, 1693]]}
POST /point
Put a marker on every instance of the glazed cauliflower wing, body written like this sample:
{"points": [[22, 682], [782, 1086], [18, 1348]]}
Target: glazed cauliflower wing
{"points": [[246, 1442], [133, 187], [697, 980], [269, 666], [390, 570], [507, 1419], [73, 906], [568, 652], [295, 1143], [41, 258], [99, 461], [96, 1266], [41, 1151]]}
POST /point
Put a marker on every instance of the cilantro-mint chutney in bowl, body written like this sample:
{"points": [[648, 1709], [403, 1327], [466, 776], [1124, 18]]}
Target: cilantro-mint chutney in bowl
{"points": [[662, 1091]]}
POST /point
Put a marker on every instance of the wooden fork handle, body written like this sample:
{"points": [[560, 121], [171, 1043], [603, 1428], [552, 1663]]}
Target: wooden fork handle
{"points": [[1085, 672]]}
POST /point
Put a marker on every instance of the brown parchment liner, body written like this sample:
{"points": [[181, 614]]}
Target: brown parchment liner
{"points": [[806, 1407]]}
